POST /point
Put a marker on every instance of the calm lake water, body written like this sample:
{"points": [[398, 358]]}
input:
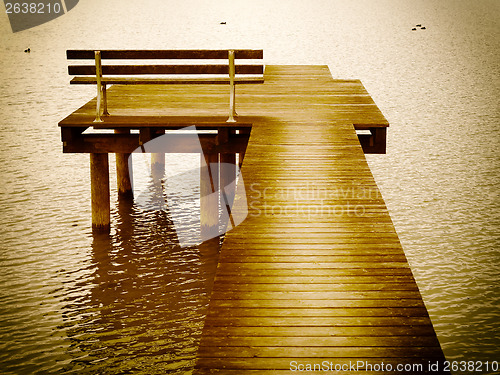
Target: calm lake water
{"points": [[134, 301]]}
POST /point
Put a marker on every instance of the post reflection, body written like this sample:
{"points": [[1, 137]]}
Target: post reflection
{"points": [[143, 306]]}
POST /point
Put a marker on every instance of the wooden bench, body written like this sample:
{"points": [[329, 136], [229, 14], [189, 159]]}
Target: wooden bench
{"points": [[203, 72]]}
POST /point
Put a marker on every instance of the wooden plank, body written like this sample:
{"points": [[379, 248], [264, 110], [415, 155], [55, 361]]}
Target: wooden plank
{"points": [[312, 268], [315, 287], [163, 81], [321, 352], [319, 312], [127, 143], [330, 342], [319, 332], [287, 295], [186, 54], [311, 280], [240, 251], [163, 69], [308, 272], [308, 259], [349, 303], [80, 120]]}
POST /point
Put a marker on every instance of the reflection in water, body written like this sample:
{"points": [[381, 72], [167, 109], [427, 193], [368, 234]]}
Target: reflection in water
{"points": [[143, 306]]}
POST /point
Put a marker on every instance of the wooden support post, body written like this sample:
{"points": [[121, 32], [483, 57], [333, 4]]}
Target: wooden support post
{"points": [[227, 177], [227, 190], [99, 179], [105, 100], [209, 197], [123, 172], [380, 140], [145, 135], [242, 154]]}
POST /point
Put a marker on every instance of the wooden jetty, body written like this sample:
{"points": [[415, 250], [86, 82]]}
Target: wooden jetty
{"points": [[315, 277]]}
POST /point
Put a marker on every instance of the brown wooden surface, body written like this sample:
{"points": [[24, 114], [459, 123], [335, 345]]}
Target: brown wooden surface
{"points": [[204, 72], [296, 282], [163, 69], [99, 181], [124, 174], [164, 54], [177, 143], [308, 276], [146, 116], [174, 106], [165, 81]]}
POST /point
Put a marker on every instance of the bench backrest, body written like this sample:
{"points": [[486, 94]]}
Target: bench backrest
{"points": [[209, 62]]}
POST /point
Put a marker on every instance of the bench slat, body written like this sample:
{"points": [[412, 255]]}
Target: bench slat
{"points": [[163, 69], [164, 54], [158, 81]]}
